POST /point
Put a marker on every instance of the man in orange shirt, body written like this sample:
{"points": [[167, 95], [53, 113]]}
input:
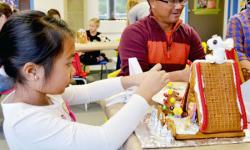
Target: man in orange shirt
{"points": [[162, 38]]}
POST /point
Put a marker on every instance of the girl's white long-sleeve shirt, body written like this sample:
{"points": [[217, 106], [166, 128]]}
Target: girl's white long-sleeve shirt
{"points": [[29, 127]]}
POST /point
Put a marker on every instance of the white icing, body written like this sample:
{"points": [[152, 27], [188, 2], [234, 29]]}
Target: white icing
{"points": [[238, 104], [196, 89], [205, 61], [183, 126]]}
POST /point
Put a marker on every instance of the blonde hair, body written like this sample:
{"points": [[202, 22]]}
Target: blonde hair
{"points": [[131, 4], [95, 21]]}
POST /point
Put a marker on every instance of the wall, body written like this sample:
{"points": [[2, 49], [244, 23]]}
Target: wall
{"points": [[92, 7], [207, 25], [45, 5], [75, 13], [113, 28]]}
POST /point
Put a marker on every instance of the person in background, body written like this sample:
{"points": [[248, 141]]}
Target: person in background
{"points": [[37, 52], [54, 13], [239, 30], [5, 12], [162, 38], [138, 12], [91, 58], [130, 16]]}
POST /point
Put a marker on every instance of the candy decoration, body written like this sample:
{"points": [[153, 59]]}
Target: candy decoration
{"points": [[164, 107], [172, 100], [170, 84], [170, 92], [177, 110]]}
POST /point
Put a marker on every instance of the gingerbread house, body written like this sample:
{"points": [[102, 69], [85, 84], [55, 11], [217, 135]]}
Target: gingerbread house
{"points": [[214, 106], [215, 88]]}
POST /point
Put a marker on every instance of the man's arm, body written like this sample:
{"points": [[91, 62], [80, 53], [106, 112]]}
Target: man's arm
{"points": [[133, 44], [235, 31], [196, 49]]}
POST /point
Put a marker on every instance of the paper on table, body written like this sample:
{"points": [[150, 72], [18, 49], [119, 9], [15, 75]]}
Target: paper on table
{"points": [[245, 89], [134, 66]]}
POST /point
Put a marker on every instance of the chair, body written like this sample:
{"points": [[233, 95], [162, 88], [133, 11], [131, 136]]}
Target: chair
{"points": [[114, 73], [103, 67], [79, 75], [103, 64]]}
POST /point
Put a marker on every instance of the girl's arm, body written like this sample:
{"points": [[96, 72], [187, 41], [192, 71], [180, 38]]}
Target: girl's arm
{"points": [[49, 132], [79, 94], [45, 128]]}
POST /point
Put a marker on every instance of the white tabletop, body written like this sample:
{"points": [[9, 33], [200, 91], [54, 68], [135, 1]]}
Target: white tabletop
{"points": [[93, 46]]}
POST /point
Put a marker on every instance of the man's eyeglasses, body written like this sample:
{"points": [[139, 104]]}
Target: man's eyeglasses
{"points": [[174, 2]]}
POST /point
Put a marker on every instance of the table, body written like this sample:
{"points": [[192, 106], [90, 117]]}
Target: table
{"points": [[93, 46], [133, 142]]}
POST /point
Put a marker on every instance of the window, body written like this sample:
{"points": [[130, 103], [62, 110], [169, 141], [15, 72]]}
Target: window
{"points": [[120, 9], [112, 9], [103, 9]]}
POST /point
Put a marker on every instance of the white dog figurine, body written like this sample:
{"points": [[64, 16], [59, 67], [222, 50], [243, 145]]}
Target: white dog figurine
{"points": [[218, 47]]}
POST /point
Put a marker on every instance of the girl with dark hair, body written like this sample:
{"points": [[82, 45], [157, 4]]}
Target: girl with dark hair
{"points": [[36, 52]]}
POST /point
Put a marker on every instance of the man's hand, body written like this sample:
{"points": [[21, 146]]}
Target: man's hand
{"points": [[245, 64]]}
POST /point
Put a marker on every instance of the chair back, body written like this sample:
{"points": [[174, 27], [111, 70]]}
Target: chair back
{"points": [[77, 66]]}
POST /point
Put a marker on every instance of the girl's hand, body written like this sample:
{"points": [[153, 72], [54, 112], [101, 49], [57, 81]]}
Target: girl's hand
{"points": [[136, 80], [152, 82]]}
